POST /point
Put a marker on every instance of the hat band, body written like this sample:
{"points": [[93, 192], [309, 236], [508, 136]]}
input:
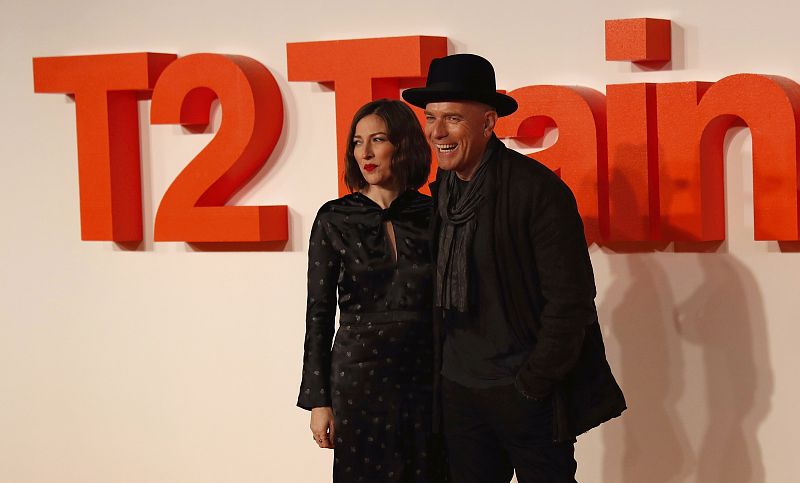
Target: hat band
{"points": [[451, 86]]}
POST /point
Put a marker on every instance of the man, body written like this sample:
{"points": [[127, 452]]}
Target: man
{"points": [[521, 359]]}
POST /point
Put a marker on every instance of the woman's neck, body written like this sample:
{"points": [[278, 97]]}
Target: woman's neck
{"points": [[381, 195]]}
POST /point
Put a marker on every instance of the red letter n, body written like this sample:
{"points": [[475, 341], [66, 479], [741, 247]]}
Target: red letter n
{"points": [[692, 121]]}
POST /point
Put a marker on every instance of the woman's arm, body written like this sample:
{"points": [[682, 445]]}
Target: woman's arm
{"points": [[323, 271]]}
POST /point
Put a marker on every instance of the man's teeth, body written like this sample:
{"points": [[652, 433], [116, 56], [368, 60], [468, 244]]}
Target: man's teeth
{"points": [[445, 148]]}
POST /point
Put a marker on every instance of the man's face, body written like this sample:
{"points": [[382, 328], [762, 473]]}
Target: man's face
{"points": [[458, 132]]}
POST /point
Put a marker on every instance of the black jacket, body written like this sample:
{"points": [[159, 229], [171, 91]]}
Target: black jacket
{"points": [[548, 285]]}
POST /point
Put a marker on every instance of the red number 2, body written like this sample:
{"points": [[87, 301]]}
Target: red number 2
{"points": [[193, 207]]}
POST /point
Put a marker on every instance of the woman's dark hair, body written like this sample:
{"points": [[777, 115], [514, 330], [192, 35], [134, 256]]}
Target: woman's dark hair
{"points": [[411, 160]]}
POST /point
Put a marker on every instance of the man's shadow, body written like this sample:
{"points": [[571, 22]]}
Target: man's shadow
{"points": [[690, 417], [649, 443]]}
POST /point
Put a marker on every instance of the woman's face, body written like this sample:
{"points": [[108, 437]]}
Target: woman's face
{"points": [[373, 151]]}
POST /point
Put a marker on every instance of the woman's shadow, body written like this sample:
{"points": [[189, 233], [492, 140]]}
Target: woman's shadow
{"points": [[724, 317]]}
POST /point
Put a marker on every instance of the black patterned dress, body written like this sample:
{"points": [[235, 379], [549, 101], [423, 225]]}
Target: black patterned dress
{"points": [[377, 375]]}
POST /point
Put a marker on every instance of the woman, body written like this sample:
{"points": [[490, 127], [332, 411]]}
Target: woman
{"points": [[370, 394]]}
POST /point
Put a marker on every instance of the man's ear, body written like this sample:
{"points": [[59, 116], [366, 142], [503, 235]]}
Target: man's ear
{"points": [[489, 120]]}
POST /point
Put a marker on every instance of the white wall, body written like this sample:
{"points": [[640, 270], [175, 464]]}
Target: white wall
{"points": [[164, 364]]}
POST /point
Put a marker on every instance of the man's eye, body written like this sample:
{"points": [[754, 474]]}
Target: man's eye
{"points": [[429, 119]]}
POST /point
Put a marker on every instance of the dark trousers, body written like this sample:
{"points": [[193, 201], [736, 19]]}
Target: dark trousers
{"points": [[492, 432]]}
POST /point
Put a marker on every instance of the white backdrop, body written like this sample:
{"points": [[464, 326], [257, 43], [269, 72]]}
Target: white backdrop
{"points": [[165, 364]]}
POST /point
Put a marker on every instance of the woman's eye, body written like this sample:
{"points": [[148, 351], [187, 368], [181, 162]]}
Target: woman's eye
{"points": [[356, 141]]}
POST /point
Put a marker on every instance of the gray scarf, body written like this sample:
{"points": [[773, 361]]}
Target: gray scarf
{"points": [[456, 234]]}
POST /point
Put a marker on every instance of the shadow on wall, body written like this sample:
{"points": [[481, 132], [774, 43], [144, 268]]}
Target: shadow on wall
{"points": [[661, 438], [650, 443]]}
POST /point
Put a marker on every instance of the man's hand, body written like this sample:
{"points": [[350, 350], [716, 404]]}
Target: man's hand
{"points": [[322, 429]]}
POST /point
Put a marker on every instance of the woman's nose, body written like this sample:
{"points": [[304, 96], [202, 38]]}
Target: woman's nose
{"points": [[367, 152]]}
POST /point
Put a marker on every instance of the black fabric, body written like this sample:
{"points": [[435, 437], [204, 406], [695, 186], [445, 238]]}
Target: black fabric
{"points": [[547, 288], [490, 433], [457, 212], [480, 350], [377, 374]]}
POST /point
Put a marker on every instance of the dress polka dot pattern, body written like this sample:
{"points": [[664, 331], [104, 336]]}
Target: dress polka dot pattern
{"points": [[377, 372]]}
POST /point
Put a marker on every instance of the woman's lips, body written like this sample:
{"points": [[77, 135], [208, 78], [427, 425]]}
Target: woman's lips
{"points": [[369, 167]]}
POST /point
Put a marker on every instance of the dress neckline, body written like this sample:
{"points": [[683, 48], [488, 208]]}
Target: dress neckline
{"points": [[376, 205]]}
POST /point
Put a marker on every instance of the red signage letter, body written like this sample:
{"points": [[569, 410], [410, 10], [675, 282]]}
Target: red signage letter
{"points": [[632, 162], [361, 71], [192, 209], [579, 155], [105, 89], [690, 133]]}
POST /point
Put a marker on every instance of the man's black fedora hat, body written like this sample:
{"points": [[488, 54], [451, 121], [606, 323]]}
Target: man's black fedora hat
{"points": [[461, 77]]}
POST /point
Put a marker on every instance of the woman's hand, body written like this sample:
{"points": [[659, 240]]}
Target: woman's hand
{"points": [[322, 429]]}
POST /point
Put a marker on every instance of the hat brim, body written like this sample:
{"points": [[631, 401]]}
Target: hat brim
{"points": [[422, 96]]}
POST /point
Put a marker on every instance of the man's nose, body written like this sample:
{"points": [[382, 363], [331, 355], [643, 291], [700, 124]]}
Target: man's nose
{"points": [[438, 129]]}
